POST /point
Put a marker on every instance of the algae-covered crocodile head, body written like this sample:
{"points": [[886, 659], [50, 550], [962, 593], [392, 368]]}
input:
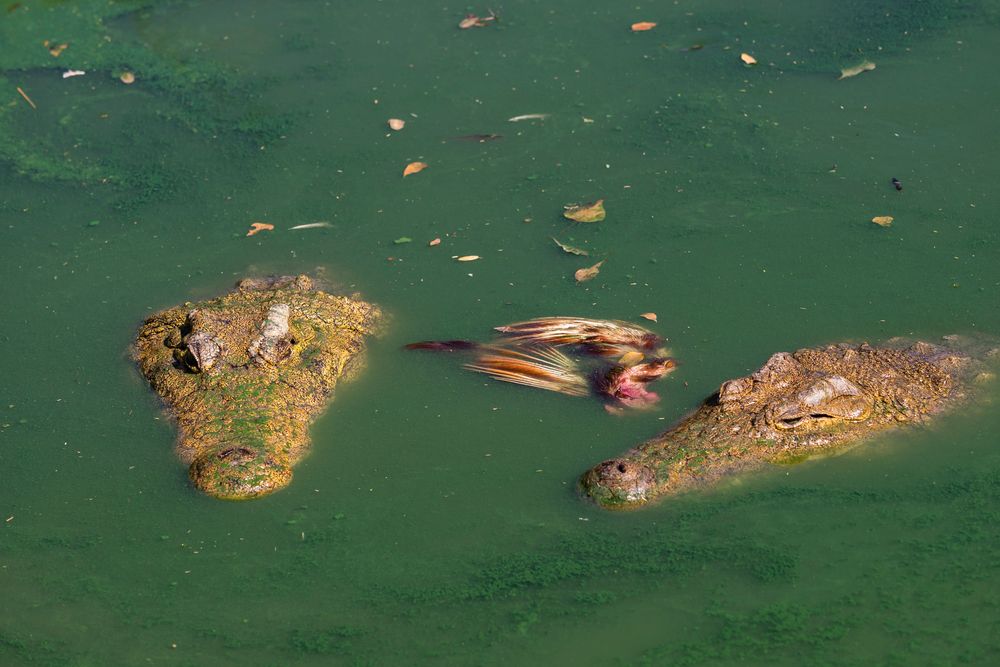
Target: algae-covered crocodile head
{"points": [[795, 406], [244, 374]]}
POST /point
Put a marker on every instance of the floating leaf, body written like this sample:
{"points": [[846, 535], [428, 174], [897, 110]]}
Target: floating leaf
{"points": [[55, 49], [571, 249], [403, 239], [848, 72], [592, 212], [649, 316], [127, 78], [259, 227], [748, 59], [473, 21], [528, 116], [413, 168], [467, 258], [312, 225], [435, 242], [883, 220], [643, 26], [583, 275], [396, 124]]}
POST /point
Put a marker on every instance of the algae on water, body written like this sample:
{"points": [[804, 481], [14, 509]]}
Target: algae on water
{"points": [[98, 131]]}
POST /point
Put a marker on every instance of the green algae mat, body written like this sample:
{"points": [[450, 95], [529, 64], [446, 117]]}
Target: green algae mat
{"points": [[437, 519]]}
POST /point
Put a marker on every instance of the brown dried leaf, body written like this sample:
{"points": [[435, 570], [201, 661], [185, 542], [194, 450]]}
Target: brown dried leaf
{"points": [[583, 275], [473, 21], [468, 258], [592, 212], [848, 72], [748, 59], [259, 227], [883, 220], [642, 26], [396, 124], [649, 316], [413, 168], [573, 250], [435, 242]]}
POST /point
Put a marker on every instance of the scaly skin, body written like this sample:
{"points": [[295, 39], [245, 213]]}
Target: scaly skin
{"points": [[795, 406], [245, 374]]}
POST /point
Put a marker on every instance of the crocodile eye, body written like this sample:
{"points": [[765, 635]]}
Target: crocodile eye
{"points": [[827, 401]]}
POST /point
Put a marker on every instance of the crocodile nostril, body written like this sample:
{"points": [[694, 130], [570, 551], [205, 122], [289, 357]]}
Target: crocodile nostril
{"points": [[241, 452], [622, 468]]}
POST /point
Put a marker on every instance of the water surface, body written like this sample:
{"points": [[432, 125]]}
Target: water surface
{"points": [[436, 521]]}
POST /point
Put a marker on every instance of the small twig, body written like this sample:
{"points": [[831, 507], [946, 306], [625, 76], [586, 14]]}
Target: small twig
{"points": [[26, 98]]}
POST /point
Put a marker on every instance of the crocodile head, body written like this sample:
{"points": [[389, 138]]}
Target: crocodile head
{"points": [[795, 406], [244, 374]]}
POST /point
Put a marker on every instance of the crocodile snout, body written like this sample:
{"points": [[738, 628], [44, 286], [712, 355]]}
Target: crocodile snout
{"points": [[620, 483], [237, 472]]}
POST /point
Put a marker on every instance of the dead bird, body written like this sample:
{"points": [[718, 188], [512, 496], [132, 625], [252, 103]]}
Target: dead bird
{"points": [[530, 355], [603, 337]]}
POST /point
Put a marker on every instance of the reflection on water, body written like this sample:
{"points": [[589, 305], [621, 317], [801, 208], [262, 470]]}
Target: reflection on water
{"points": [[437, 519]]}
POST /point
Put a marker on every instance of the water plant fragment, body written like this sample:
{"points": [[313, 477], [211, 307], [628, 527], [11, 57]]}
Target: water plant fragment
{"points": [[642, 26], [592, 212], [748, 59], [573, 250], [883, 220], [256, 227], [413, 168], [583, 275], [467, 258], [848, 72]]}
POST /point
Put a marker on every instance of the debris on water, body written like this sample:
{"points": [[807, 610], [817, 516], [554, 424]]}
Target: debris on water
{"points": [[883, 220], [312, 225], [473, 21], [896, 184], [26, 98], [435, 242], [592, 212], [643, 26], [93, 223], [528, 116], [413, 168], [403, 239], [55, 49], [127, 78], [648, 316], [693, 47], [396, 124], [573, 250], [481, 138], [583, 275], [748, 59], [70, 73], [848, 72], [467, 258], [256, 227]]}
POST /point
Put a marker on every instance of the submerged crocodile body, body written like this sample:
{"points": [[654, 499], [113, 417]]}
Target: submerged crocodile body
{"points": [[796, 405], [245, 374]]}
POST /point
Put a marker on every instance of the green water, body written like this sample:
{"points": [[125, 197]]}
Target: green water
{"points": [[436, 520]]}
